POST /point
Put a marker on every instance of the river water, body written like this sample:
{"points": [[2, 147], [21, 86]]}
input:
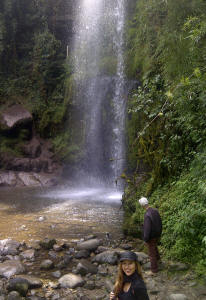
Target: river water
{"points": [[64, 213]]}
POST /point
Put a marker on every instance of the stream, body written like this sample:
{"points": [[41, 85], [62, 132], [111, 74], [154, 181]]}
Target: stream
{"points": [[65, 213]]}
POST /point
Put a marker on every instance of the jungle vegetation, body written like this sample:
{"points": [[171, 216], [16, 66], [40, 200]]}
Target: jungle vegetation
{"points": [[165, 52], [166, 43]]}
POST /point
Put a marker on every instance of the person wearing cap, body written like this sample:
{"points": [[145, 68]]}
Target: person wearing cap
{"points": [[152, 230], [129, 284]]}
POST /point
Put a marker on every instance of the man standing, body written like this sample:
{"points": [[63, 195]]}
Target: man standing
{"points": [[152, 231]]}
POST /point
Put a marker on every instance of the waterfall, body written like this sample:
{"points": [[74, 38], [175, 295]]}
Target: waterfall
{"points": [[98, 62]]}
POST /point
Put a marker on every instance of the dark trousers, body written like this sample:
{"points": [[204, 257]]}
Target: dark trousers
{"points": [[153, 254]]}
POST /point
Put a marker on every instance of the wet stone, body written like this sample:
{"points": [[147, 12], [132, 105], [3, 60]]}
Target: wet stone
{"points": [[9, 247], [146, 266], [90, 285], [82, 254], [47, 264], [52, 254], [10, 268], [84, 267], [101, 249], [56, 274], [142, 257], [14, 296], [28, 254], [177, 297], [126, 246], [110, 257], [90, 245], [71, 281], [33, 281], [18, 284], [178, 267], [47, 243], [64, 262], [57, 247]]}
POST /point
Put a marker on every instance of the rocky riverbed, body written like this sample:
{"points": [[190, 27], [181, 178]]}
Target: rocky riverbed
{"points": [[83, 269]]}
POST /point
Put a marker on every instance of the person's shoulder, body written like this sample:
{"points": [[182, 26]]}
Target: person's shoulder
{"points": [[154, 210], [138, 283]]}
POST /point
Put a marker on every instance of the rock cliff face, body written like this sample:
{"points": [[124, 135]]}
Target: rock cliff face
{"points": [[13, 116], [37, 164]]}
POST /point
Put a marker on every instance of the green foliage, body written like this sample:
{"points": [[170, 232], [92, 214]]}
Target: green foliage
{"points": [[182, 206], [32, 58], [161, 35], [47, 66], [166, 122], [68, 152]]}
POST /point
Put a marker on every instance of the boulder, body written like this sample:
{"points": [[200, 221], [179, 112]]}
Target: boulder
{"points": [[33, 282], [11, 268], [13, 116], [85, 267], [82, 254], [142, 257], [28, 254], [7, 178], [109, 257], [71, 281], [14, 295], [28, 179], [14, 178], [46, 264], [90, 245], [178, 267], [18, 284], [9, 247], [177, 297]]}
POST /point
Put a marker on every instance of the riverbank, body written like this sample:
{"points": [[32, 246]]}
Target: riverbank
{"points": [[84, 269]]}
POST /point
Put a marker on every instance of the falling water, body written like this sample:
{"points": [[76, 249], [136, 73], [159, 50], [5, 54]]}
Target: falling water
{"points": [[100, 87]]}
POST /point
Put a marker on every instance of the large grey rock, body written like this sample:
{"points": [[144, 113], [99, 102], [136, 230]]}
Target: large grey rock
{"points": [[84, 267], [18, 284], [14, 178], [14, 295], [146, 266], [71, 281], [178, 267], [109, 257], [46, 179], [14, 116], [90, 245], [142, 257], [28, 254], [28, 179], [64, 261], [47, 264], [9, 247], [10, 268], [82, 254], [8, 178], [33, 281], [177, 297]]}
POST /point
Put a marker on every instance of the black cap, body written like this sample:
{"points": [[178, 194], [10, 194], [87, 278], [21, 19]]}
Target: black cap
{"points": [[129, 255]]}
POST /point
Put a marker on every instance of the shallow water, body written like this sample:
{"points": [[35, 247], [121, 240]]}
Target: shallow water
{"points": [[61, 213]]}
